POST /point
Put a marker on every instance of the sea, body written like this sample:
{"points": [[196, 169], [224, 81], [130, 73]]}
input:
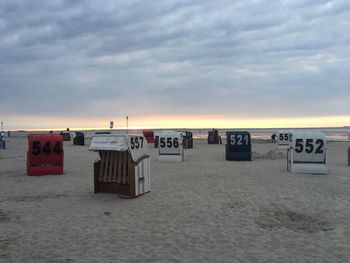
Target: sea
{"points": [[340, 134]]}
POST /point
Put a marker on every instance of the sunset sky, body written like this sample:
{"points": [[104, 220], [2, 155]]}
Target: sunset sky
{"points": [[172, 63]]}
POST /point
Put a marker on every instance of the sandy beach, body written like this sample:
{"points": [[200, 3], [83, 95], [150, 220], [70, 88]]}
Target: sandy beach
{"points": [[204, 209]]}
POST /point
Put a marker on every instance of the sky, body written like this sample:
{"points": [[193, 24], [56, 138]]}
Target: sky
{"points": [[174, 63]]}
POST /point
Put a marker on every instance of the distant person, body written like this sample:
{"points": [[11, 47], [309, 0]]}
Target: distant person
{"points": [[8, 134], [274, 138], [51, 132]]}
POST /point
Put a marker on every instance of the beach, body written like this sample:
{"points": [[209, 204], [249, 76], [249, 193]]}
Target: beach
{"points": [[204, 209]]}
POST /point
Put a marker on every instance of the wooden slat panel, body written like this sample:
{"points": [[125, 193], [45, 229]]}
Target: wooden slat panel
{"points": [[125, 167], [101, 174], [106, 166], [111, 163], [110, 166], [105, 177], [119, 178], [96, 176], [115, 167]]}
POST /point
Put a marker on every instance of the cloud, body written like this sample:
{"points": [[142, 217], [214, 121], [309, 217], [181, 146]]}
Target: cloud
{"points": [[230, 58]]}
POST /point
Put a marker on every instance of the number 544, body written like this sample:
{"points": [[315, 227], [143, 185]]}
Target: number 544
{"points": [[36, 148]]}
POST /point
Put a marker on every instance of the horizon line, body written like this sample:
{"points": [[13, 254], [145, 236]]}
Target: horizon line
{"points": [[182, 128]]}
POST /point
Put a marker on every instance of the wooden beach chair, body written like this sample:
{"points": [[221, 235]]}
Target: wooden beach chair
{"points": [[307, 153], [79, 138], [65, 135], [187, 140], [214, 137], [238, 146], [284, 139], [170, 146], [45, 154], [124, 165], [149, 135]]}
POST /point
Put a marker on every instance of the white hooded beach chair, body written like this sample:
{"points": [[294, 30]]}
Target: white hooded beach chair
{"points": [[284, 138], [307, 153], [170, 147], [124, 165]]}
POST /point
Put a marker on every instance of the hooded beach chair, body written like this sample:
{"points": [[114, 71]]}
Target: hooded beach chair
{"points": [[124, 165], [238, 146], [214, 137], [79, 138], [170, 147], [307, 153], [284, 138]]}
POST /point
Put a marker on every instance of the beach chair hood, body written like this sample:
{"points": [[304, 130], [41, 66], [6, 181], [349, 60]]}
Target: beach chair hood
{"points": [[116, 142]]}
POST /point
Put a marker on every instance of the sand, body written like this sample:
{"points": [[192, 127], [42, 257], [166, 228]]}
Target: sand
{"points": [[205, 209]]}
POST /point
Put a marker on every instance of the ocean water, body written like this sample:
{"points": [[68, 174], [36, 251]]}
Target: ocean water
{"points": [[332, 134]]}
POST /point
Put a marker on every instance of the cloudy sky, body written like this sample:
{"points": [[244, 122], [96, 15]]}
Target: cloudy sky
{"points": [[174, 62]]}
